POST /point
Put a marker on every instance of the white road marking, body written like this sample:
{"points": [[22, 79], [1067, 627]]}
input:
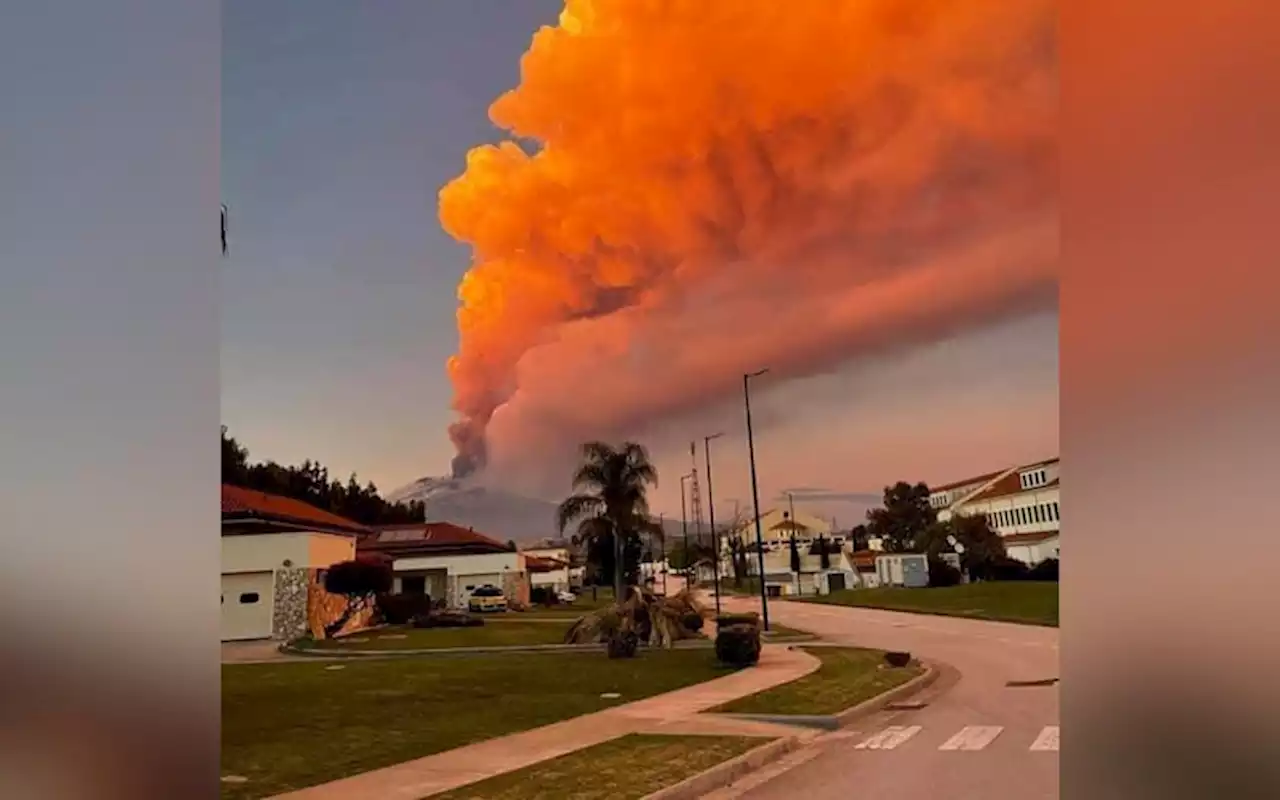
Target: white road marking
{"points": [[972, 737], [1047, 740], [889, 738]]}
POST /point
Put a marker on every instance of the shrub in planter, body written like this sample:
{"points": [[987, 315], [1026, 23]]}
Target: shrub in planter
{"points": [[897, 659], [692, 622], [748, 618], [623, 645], [942, 574], [738, 645], [400, 609]]}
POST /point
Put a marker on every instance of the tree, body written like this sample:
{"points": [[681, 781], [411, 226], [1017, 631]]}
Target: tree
{"points": [[858, 536], [821, 547], [795, 555], [902, 522], [982, 545], [610, 504], [360, 582], [311, 484]]}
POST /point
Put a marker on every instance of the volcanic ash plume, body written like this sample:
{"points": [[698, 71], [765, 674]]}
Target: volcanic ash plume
{"points": [[697, 188]]}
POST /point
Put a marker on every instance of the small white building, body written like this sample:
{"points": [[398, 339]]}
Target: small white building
{"points": [[1021, 503], [549, 568], [274, 553], [448, 562], [812, 579]]}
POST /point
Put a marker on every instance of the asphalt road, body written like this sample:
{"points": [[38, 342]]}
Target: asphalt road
{"points": [[975, 736]]}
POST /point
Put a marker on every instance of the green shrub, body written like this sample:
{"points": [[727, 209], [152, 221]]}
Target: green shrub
{"points": [[543, 596], [738, 645], [943, 574], [747, 618], [1046, 570], [400, 609], [447, 619]]}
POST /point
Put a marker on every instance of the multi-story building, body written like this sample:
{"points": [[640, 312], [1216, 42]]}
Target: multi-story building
{"points": [[1020, 502]]}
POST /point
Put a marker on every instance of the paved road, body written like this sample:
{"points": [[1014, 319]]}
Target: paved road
{"points": [[976, 737]]}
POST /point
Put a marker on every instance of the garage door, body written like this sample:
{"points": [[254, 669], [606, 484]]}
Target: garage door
{"points": [[246, 605]]}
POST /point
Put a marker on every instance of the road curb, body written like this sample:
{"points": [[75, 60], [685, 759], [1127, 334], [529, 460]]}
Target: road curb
{"points": [[869, 707], [318, 653], [725, 773], [832, 722]]}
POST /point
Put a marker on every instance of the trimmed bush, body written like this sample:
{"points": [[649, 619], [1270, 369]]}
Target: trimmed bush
{"points": [[943, 574], [1046, 570], [897, 659], [748, 618], [1002, 568], [447, 619], [738, 645], [623, 645], [400, 609], [692, 622], [543, 596]]}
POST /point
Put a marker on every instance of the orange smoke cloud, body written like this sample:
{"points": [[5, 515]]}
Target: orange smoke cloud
{"points": [[718, 186]]}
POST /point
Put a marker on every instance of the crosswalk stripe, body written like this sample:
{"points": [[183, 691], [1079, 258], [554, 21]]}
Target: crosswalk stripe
{"points": [[888, 738], [1047, 740], [972, 737]]}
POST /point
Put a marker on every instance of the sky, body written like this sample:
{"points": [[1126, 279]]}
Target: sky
{"points": [[340, 124]]}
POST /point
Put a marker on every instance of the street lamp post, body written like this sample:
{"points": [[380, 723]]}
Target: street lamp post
{"points": [[684, 526], [755, 493], [711, 509], [662, 526]]}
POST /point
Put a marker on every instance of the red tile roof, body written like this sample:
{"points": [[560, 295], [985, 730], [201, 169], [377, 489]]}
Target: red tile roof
{"points": [[990, 475], [251, 503], [541, 564], [864, 558], [967, 482], [1028, 538], [430, 537]]}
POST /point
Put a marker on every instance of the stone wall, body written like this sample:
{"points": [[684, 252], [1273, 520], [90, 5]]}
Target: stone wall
{"points": [[324, 608], [289, 618]]}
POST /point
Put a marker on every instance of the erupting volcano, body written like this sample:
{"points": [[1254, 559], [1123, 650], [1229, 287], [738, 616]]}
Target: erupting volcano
{"points": [[693, 189]]}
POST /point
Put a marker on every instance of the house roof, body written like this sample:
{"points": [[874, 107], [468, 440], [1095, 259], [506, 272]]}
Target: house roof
{"points": [[247, 505], [988, 476], [1028, 538], [429, 537], [540, 564], [789, 525]]}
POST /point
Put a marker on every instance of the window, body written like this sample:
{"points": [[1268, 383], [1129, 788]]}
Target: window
{"points": [[249, 598], [1039, 513], [1055, 512]]}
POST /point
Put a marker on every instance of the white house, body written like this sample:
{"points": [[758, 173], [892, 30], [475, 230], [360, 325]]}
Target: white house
{"points": [[1021, 503], [777, 526], [448, 562], [812, 579], [274, 553], [549, 567]]}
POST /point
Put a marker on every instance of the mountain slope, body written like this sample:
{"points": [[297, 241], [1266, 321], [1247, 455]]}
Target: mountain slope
{"points": [[501, 515]]}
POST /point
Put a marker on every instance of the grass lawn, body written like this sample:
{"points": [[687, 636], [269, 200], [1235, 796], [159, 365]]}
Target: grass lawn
{"points": [[583, 605], [623, 769], [496, 632], [1032, 602], [290, 725], [781, 633], [848, 676]]}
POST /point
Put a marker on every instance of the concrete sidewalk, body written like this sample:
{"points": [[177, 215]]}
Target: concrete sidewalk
{"points": [[673, 712]]}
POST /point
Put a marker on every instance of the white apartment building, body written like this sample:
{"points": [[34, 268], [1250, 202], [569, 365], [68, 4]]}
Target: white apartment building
{"points": [[1020, 502]]}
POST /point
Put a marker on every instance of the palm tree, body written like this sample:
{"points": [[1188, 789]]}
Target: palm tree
{"points": [[610, 501]]}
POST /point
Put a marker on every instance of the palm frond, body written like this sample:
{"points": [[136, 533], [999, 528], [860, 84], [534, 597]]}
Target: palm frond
{"points": [[577, 506]]}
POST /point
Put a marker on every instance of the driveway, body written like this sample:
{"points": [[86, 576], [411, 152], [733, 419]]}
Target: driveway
{"points": [[975, 736]]}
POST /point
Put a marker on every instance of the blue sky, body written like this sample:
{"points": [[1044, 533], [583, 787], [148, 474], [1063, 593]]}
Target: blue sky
{"points": [[341, 121]]}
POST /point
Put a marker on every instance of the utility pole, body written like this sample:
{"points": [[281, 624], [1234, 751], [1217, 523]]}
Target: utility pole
{"points": [[684, 528], [695, 497], [711, 508], [755, 493]]}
